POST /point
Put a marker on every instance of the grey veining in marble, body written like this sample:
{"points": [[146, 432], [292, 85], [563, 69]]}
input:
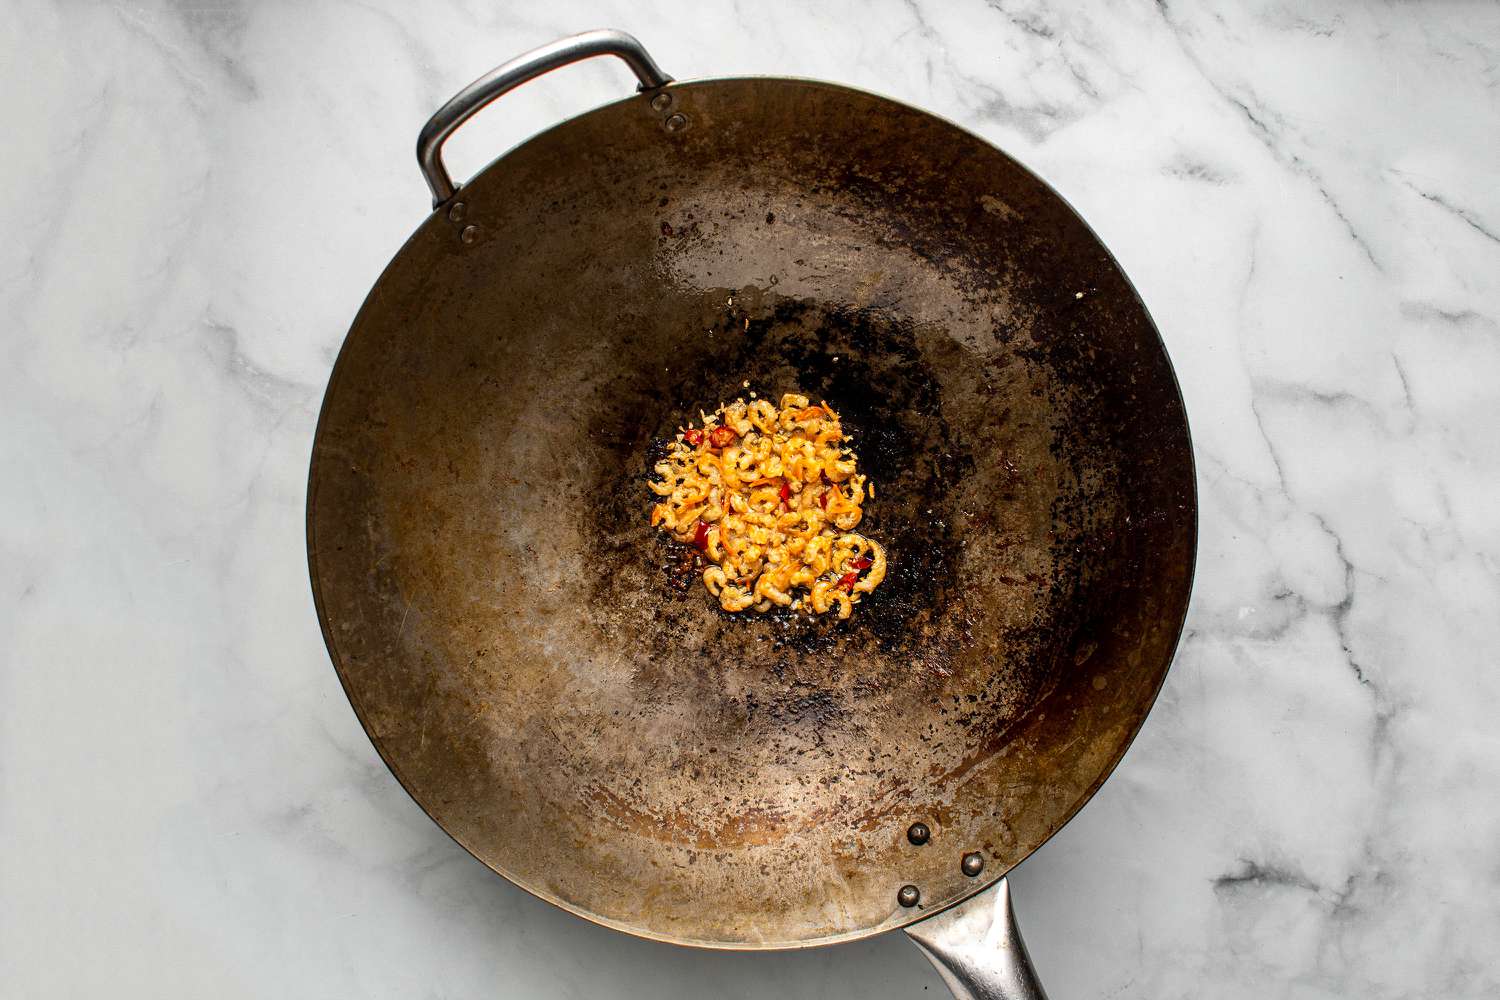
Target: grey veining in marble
{"points": [[194, 199]]}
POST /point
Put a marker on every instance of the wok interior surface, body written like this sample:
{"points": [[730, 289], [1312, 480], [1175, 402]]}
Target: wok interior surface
{"points": [[517, 639]]}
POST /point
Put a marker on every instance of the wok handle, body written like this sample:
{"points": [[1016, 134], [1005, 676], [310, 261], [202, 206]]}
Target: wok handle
{"points": [[977, 948], [511, 75]]}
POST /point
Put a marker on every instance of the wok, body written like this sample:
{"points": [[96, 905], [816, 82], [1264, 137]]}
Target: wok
{"points": [[518, 641]]}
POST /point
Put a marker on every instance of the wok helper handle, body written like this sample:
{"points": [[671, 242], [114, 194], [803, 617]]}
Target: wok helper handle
{"points": [[977, 948], [503, 79]]}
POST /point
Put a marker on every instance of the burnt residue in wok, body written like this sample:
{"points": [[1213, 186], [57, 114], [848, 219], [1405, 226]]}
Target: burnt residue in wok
{"points": [[872, 371]]}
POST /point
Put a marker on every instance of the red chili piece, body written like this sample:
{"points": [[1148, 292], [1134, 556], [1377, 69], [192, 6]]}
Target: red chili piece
{"points": [[848, 580], [861, 563], [785, 492], [693, 436], [700, 537], [823, 499], [722, 437]]}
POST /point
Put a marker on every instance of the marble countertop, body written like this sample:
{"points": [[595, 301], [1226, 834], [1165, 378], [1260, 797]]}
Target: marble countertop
{"points": [[195, 199]]}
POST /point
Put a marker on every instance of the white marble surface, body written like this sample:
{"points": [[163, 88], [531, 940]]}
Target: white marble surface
{"points": [[194, 200]]}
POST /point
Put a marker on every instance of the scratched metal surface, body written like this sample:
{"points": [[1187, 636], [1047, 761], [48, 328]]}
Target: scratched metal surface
{"points": [[502, 616]]}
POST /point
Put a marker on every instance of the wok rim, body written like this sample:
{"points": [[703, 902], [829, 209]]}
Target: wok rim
{"points": [[902, 917]]}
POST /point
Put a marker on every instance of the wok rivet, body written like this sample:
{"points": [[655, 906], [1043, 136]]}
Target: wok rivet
{"points": [[909, 896], [973, 863], [918, 833], [675, 122], [661, 102], [470, 235], [456, 212]]}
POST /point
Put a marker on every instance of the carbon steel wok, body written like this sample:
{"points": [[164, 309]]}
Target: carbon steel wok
{"points": [[517, 640]]}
